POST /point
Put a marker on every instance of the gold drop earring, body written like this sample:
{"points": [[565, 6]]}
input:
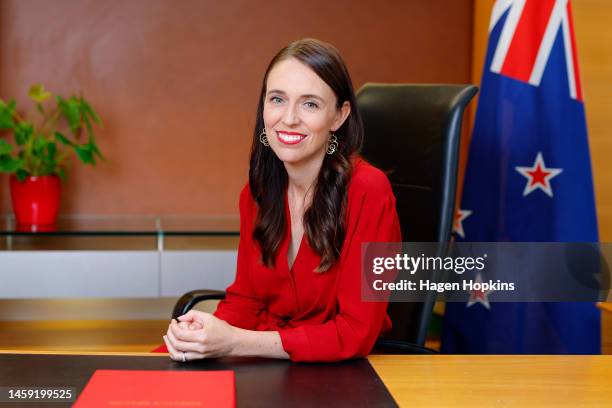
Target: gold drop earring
{"points": [[333, 144], [263, 137]]}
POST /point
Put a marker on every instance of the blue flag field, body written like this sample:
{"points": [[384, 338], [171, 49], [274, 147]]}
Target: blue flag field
{"points": [[528, 178]]}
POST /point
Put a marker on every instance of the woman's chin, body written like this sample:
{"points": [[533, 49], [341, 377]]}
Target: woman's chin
{"points": [[291, 161], [290, 157], [301, 156]]}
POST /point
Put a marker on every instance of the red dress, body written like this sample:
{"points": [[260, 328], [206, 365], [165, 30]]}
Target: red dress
{"points": [[319, 316]]}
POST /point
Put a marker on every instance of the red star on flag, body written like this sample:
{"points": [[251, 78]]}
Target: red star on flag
{"points": [[538, 176], [479, 296], [460, 215]]}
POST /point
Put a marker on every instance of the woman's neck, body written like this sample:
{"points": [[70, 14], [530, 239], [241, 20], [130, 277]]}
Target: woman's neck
{"points": [[302, 178]]}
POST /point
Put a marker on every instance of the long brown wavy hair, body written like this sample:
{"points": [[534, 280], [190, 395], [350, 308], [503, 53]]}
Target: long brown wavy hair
{"points": [[324, 219]]}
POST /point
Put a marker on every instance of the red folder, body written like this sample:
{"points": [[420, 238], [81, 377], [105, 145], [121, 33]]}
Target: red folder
{"points": [[131, 388]]}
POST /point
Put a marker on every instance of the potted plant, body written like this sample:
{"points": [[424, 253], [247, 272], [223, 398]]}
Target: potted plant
{"points": [[38, 159]]}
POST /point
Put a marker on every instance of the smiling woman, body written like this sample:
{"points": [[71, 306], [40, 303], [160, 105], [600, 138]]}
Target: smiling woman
{"points": [[305, 111], [295, 116], [309, 204]]}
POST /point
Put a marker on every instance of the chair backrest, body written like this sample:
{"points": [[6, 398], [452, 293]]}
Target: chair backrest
{"points": [[412, 133]]}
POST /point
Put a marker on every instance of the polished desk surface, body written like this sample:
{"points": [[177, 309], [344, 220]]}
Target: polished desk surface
{"points": [[259, 382], [431, 380], [497, 381]]}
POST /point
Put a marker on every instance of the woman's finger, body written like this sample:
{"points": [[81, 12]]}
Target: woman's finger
{"points": [[191, 325], [190, 356], [180, 345], [188, 317], [195, 316], [184, 325], [194, 336], [182, 356], [195, 326], [174, 355]]}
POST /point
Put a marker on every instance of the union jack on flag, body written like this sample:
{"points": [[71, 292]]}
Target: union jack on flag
{"points": [[528, 178]]}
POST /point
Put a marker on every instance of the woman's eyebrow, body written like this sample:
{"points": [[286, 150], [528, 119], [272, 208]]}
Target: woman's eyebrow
{"points": [[312, 96], [306, 96]]}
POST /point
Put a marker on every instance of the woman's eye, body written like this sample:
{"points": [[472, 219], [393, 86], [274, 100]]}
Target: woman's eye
{"points": [[311, 105], [276, 99]]}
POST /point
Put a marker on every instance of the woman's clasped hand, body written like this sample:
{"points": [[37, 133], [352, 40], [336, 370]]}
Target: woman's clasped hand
{"points": [[198, 335]]}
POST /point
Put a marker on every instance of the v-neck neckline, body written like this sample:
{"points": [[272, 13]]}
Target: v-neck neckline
{"points": [[289, 236]]}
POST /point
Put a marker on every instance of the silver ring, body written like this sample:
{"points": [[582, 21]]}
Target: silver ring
{"points": [[184, 358]]}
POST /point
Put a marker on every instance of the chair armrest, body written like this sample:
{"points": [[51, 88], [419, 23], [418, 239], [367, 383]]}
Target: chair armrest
{"points": [[190, 299], [383, 346]]}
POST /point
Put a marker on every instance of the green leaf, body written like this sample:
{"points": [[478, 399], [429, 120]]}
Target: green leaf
{"points": [[10, 164], [21, 174], [5, 147], [23, 133], [38, 94], [6, 115], [84, 152], [92, 142], [51, 150], [88, 114], [90, 132], [97, 151], [71, 111], [62, 139], [39, 145], [61, 173], [88, 110]]}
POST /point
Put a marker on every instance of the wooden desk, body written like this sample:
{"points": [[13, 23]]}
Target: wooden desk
{"points": [[491, 381], [415, 381]]}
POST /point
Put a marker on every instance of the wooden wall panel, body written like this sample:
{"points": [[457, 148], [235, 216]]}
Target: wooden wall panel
{"points": [[177, 81], [594, 41]]}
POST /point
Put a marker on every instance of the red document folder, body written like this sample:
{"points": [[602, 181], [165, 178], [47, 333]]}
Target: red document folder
{"points": [[130, 388]]}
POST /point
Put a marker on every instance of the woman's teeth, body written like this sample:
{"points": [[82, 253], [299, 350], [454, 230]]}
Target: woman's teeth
{"points": [[290, 138]]}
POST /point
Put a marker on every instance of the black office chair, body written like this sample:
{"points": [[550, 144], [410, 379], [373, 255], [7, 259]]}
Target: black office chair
{"points": [[412, 133]]}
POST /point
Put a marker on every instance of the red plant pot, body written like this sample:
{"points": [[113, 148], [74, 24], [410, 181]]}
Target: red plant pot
{"points": [[36, 200]]}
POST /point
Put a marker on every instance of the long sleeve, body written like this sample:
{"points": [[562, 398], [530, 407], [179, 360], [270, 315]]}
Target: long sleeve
{"points": [[241, 306], [372, 217]]}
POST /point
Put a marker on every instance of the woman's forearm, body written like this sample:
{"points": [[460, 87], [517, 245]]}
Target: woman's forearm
{"points": [[250, 343]]}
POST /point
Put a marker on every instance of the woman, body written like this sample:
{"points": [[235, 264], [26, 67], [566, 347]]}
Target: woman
{"points": [[309, 204]]}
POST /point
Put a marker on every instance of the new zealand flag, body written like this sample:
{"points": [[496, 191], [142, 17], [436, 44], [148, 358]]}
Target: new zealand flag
{"points": [[528, 178]]}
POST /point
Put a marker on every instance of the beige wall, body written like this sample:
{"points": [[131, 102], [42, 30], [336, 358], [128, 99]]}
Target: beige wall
{"points": [[176, 81], [594, 42]]}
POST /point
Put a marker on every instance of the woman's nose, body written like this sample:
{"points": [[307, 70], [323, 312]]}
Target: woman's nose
{"points": [[290, 117]]}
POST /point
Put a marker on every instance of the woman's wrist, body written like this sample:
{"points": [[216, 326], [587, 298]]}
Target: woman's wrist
{"points": [[234, 341], [250, 343], [241, 341]]}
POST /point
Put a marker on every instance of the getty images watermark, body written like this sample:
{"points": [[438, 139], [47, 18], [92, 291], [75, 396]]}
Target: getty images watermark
{"points": [[500, 271]]}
